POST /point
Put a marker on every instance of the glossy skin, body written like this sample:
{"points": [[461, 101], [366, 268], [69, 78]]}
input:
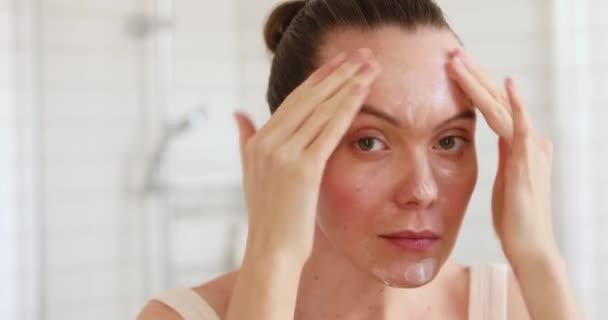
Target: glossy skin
{"points": [[413, 173]]}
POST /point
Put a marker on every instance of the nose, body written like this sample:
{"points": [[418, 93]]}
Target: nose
{"points": [[417, 187]]}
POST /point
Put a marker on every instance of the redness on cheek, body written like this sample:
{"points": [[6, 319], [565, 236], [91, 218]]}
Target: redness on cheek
{"points": [[338, 193], [346, 197]]}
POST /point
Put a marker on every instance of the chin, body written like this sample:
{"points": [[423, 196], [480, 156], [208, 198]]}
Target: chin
{"points": [[407, 274]]}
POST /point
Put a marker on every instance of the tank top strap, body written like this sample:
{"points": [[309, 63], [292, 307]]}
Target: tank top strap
{"points": [[188, 304], [488, 292]]}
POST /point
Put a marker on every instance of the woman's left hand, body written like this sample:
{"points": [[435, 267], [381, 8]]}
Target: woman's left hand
{"points": [[521, 194]]}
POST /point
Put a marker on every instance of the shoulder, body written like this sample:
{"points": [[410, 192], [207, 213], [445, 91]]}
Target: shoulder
{"points": [[516, 304], [216, 293]]}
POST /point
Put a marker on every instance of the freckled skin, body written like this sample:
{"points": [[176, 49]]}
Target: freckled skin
{"points": [[409, 184]]}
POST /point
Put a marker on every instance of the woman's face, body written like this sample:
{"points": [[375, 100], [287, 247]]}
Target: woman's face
{"points": [[396, 188]]}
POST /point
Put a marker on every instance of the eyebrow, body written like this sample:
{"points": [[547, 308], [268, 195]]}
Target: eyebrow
{"points": [[367, 109]]}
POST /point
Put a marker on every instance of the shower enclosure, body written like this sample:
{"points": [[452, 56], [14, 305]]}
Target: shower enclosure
{"points": [[128, 150], [188, 199]]}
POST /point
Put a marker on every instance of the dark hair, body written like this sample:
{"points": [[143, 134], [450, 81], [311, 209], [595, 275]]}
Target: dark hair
{"points": [[295, 30]]}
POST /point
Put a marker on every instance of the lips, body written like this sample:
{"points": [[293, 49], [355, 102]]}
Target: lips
{"points": [[412, 240]]}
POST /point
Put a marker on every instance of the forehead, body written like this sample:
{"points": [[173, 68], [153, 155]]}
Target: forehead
{"points": [[414, 79]]}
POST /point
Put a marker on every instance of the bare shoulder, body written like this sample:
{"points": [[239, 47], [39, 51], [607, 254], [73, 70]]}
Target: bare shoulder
{"points": [[216, 293], [516, 305]]}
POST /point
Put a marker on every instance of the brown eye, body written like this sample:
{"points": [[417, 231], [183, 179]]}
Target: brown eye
{"points": [[369, 144], [450, 143], [447, 143]]}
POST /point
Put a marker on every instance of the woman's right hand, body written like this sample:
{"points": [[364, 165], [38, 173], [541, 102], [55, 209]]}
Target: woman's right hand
{"points": [[283, 162]]}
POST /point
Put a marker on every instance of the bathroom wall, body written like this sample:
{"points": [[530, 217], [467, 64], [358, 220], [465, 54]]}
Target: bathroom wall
{"points": [[89, 114], [580, 106], [105, 96], [8, 245]]}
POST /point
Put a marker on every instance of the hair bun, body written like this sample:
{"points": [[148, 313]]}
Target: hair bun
{"points": [[279, 20]]}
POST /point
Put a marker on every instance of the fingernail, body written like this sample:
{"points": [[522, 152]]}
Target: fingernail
{"points": [[361, 54], [238, 114], [458, 63], [510, 83], [465, 57], [367, 67], [339, 58], [454, 52], [364, 68]]}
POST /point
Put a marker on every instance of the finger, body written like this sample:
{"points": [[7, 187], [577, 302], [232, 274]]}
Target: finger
{"points": [[521, 119], [347, 104], [499, 183], [497, 117], [246, 131], [296, 109], [482, 76], [324, 71], [311, 128], [316, 77]]}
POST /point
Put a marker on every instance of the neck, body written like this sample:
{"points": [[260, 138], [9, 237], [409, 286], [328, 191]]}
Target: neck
{"points": [[332, 287]]}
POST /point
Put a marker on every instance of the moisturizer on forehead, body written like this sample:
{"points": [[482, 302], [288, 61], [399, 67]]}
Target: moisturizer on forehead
{"points": [[417, 97]]}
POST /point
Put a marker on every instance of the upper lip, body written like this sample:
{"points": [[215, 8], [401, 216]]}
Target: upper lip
{"points": [[409, 234]]}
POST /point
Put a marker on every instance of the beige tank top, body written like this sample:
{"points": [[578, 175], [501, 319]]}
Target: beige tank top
{"points": [[487, 296]]}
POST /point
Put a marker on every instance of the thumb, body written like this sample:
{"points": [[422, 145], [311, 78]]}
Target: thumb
{"points": [[246, 130], [499, 186], [503, 154]]}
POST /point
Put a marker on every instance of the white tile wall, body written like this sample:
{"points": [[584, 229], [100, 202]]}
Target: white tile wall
{"points": [[599, 53], [91, 114], [8, 194], [208, 71]]}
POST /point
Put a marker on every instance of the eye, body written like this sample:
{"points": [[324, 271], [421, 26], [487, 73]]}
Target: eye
{"points": [[451, 143], [370, 144]]}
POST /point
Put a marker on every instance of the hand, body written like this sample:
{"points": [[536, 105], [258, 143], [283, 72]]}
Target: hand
{"points": [[521, 194], [283, 162]]}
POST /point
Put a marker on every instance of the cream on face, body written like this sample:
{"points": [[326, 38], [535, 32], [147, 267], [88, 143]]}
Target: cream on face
{"points": [[417, 175]]}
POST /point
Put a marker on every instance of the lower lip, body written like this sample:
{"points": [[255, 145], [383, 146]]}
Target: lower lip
{"points": [[413, 244]]}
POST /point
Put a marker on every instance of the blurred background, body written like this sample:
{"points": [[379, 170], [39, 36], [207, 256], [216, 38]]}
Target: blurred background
{"points": [[119, 164]]}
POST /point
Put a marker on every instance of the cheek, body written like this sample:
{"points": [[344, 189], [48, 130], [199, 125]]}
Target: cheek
{"points": [[351, 191], [456, 182]]}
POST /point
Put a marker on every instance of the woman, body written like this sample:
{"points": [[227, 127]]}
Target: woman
{"points": [[357, 185]]}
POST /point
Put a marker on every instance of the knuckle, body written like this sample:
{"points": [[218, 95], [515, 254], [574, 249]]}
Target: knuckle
{"points": [[312, 160], [262, 148], [528, 139], [347, 70], [292, 98], [306, 170], [357, 87], [282, 156], [250, 147]]}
